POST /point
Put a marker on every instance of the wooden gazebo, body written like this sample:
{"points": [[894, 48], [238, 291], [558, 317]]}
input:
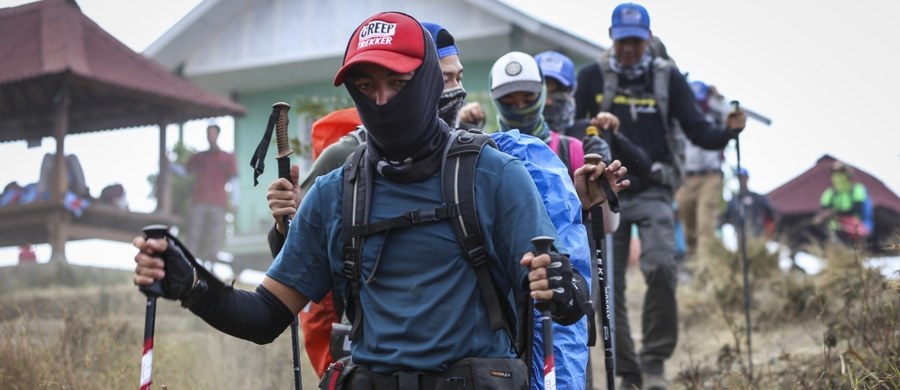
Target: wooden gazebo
{"points": [[62, 74]]}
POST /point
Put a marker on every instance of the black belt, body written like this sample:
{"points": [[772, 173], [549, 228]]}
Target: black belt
{"points": [[704, 172], [365, 379], [466, 374]]}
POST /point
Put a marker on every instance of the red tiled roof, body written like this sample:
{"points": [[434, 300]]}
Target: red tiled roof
{"points": [[801, 194], [50, 44]]}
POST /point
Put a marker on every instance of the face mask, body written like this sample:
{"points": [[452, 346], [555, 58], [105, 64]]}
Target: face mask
{"points": [[561, 114], [528, 119], [449, 105], [634, 71]]}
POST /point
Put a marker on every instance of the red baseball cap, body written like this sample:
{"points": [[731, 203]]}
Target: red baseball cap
{"points": [[391, 39]]}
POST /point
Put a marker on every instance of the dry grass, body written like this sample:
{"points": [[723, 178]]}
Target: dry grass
{"points": [[89, 335], [836, 330], [71, 327]]}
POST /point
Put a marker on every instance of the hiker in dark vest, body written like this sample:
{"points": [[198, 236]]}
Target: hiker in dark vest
{"points": [[568, 340], [646, 94], [419, 316]]}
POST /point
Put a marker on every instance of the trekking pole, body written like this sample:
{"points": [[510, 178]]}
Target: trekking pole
{"points": [[742, 242], [278, 120], [152, 292], [284, 171], [541, 246], [597, 230]]}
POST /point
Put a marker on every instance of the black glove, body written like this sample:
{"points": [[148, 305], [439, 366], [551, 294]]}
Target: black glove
{"points": [[580, 304], [559, 277], [182, 281], [179, 280]]}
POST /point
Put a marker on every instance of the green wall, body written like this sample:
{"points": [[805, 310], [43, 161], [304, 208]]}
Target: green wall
{"points": [[252, 216]]}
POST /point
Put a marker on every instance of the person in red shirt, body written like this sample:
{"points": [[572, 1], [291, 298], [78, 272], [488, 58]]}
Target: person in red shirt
{"points": [[212, 170]]}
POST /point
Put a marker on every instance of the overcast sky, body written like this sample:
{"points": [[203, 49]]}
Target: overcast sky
{"points": [[825, 72]]}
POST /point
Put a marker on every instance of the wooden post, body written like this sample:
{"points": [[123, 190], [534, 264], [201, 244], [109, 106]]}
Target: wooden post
{"points": [[163, 183], [59, 182]]}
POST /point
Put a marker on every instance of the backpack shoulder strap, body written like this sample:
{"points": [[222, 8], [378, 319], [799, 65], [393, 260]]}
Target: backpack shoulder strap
{"points": [[355, 204], [458, 187], [610, 81], [662, 70], [359, 134], [662, 74]]}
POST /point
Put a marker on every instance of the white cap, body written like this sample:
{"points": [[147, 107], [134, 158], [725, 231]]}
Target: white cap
{"points": [[515, 72]]}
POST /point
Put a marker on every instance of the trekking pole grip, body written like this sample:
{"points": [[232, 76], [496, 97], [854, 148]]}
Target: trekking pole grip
{"points": [[594, 189], [542, 245], [155, 232]]}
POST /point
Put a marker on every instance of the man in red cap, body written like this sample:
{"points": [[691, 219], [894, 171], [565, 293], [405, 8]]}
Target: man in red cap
{"points": [[419, 317], [317, 319]]}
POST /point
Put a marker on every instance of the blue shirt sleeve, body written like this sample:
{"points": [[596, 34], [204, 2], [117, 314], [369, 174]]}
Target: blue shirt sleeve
{"points": [[303, 262]]}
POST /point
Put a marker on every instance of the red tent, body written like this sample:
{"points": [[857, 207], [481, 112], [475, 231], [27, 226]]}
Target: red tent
{"points": [[798, 200]]}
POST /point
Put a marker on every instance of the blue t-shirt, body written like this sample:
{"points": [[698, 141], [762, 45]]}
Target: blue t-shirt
{"points": [[552, 179], [422, 307]]}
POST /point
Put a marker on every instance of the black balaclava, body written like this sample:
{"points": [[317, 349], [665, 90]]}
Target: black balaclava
{"points": [[405, 137], [451, 103]]}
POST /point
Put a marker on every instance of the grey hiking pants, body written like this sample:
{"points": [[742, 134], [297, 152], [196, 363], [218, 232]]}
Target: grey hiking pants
{"points": [[652, 211], [206, 231]]}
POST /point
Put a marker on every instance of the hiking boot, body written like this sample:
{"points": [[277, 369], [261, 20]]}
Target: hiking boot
{"points": [[630, 382], [654, 382]]}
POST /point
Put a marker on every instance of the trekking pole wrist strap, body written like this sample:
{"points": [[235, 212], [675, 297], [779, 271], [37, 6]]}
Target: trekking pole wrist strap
{"points": [[197, 292]]}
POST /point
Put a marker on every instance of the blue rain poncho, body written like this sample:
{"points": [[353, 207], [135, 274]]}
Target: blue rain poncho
{"points": [[558, 194]]}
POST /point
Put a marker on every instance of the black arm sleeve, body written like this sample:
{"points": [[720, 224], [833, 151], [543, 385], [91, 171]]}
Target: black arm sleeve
{"points": [[257, 316], [585, 102], [632, 156], [276, 241]]}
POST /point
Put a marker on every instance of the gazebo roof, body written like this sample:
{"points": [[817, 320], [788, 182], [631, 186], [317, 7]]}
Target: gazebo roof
{"points": [[49, 47]]}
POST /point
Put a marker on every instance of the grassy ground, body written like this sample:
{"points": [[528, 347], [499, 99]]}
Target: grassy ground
{"points": [[75, 327], [839, 329]]}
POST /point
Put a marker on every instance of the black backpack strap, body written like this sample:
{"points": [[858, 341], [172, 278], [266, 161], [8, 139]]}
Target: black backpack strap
{"points": [[408, 219], [458, 185], [562, 151], [355, 212]]}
